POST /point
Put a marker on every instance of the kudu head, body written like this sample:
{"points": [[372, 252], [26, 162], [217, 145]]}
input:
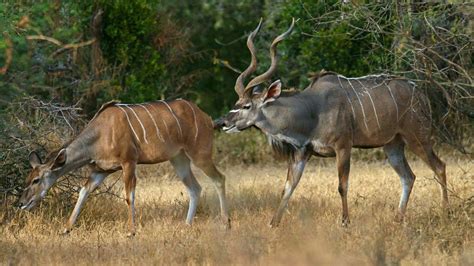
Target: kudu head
{"points": [[252, 100], [41, 178]]}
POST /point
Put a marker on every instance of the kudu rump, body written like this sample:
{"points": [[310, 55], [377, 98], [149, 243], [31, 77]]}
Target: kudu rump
{"points": [[120, 136], [333, 115]]}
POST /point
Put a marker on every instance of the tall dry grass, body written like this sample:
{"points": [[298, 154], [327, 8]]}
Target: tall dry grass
{"points": [[310, 232]]}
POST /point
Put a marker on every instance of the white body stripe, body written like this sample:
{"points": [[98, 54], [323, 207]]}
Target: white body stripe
{"points": [[412, 96], [163, 121], [372, 101], [394, 101], [348, 99], [175, 118], [139, 121], [195, 119], [154, 122], [360, 102], [129, 123]]}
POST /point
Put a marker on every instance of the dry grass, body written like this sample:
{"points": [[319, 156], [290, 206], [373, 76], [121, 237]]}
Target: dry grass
{"points": [[310, 232]]}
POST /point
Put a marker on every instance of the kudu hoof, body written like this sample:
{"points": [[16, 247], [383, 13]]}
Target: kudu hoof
{"points": [[227, 223], [274, 224], [345, 223], [65, 232], [399, 218], [131, 234]]}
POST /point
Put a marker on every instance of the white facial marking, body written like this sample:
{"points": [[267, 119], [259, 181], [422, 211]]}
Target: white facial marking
{"points": [[234, 111], [231, 129]]}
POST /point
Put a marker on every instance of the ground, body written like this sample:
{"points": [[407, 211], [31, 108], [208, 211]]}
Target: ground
{"points": [[310, 232]]}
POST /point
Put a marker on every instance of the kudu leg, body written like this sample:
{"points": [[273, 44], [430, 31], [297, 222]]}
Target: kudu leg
{"points": [[95, 179], [396, 157], [130, 180], [295, 171], [218, 179], [343, 162], [182, 165], [426, 153]]}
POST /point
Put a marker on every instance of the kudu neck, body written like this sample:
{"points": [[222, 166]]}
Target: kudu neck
{"points": [[292, 117], [79, 152]]}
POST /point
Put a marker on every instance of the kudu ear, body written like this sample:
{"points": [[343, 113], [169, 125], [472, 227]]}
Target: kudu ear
{"points": [[60, 159], [34, 159], [272, 92]]}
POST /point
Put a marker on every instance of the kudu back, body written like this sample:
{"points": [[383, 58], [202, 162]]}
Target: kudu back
{"points": [[333, 115], [119, 137]]}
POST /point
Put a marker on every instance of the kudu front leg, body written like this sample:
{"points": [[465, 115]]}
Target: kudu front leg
{"points": [[93, 182], [295, 170], [130, 181], [343, 158]]}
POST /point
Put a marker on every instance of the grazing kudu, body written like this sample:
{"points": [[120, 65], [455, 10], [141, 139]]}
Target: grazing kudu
{"points": [[120, 136], [333, 115]]}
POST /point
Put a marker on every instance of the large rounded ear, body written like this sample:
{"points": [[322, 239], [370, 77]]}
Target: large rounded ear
{"points": [[34, 159], [60, 159], [272, 92]]}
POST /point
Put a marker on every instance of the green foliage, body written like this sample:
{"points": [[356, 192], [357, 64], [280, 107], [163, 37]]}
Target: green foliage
{"points": [[217, 31], [127, 40], [320, 43], [149, 49], [34, 70]]}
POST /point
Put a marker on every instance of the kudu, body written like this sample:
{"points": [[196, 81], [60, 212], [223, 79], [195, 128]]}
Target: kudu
{"points": [[333, 115], [120, 136]]}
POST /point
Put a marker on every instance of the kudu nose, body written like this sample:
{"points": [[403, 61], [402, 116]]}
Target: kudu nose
{"points": [[219, 123], [18, 204]]}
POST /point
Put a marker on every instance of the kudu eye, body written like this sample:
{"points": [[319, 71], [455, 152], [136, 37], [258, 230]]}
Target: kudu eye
{"points": [[35, 181], [247, 106]]}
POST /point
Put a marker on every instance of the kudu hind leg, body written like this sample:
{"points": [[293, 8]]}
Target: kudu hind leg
{"points": [[218, 179], [296, 167], [426, 153], [396, 157], [343, 157], [130, 181], [95, 179], [182, 165]]}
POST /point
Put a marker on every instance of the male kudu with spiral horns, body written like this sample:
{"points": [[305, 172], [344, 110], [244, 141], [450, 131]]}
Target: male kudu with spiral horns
{"points": [[119, 137], [333, 115]]}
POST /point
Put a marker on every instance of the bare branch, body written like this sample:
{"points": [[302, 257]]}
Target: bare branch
{"points": [[74, 46], [44, 38], [226, 64]]}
